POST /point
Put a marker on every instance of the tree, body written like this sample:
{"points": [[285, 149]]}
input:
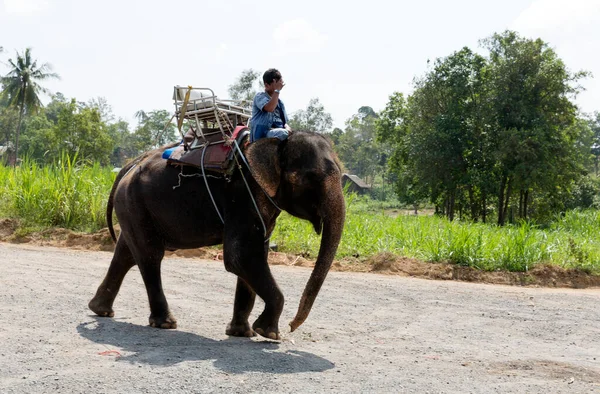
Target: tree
{"points": [[105, 110], [437, 133], [66, 126], [244, 88], [22, 88], [314, 118], [336, 135], [359, 149], [56, 104], [154, 129], [8, 123], [38, 138], [125, 144], [595, 127], [533, 118], [81, 131], [392, 130], [481, 131], [366, 111]]}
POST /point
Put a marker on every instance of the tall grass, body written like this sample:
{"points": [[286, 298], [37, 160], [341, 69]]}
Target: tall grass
{"points": [[73, 195], [65, 194], [572, 241]]}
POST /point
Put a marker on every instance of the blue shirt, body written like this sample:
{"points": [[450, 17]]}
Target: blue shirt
{"points": [[262, 121]]}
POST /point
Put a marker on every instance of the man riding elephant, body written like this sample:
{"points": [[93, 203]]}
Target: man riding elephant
{"points": [[269, 118]]}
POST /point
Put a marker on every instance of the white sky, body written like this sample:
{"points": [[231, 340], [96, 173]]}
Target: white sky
{"points": [[348, 54]]}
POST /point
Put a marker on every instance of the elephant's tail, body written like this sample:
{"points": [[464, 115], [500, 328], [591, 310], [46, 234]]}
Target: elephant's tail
{"points": [[110, 204], [124, 171]]}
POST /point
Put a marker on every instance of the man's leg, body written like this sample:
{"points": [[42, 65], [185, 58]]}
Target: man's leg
{"points": [[280, 133]]}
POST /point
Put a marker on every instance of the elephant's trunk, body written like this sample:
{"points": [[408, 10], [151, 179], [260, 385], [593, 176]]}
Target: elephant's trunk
{"points": [[333, 212]]}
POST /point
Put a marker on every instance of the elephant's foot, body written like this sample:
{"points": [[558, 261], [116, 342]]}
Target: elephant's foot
{"points": [[167, 321], [101, 307], [262, 328], [240, 330]]}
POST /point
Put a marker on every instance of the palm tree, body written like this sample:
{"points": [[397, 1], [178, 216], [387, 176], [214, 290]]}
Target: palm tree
{"points": [[21, 87]]}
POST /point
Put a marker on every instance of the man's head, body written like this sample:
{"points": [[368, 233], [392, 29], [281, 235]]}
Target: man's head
{"points": [[272, 80], [271, 75]]}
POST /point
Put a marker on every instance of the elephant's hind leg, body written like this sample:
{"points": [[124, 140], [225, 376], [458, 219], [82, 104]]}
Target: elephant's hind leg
{"points": [[121, 263], [244, 302], [149, 264]]}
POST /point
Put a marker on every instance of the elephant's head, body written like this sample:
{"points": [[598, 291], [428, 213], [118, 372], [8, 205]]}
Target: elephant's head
{"points": [[303, 174]]}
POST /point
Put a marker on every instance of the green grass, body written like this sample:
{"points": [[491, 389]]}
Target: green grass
{"points": [[64, 194], [71, 195], [572, 241]]}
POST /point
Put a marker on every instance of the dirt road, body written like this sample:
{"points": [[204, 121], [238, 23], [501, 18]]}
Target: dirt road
{"points": [[366, 333]]}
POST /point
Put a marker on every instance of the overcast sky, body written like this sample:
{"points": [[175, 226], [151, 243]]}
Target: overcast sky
{"points": [[348, 54]]}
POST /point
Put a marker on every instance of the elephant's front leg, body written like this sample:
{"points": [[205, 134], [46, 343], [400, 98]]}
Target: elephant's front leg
{"points": [[244, 302], [255, 277], [263, 283]]}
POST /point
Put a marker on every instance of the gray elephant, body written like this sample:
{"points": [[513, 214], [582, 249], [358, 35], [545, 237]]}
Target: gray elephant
{"points": [[300, 175]]}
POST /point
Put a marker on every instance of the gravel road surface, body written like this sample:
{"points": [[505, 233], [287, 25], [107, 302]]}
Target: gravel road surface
{"points": [[366, 333]]}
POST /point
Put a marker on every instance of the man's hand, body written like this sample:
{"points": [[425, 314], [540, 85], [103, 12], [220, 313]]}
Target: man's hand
{"points": [[270, 89], [288, 128], [279, 84]]}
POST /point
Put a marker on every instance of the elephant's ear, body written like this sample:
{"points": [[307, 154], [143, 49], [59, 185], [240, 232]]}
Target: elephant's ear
{"points": [[263, 158]]}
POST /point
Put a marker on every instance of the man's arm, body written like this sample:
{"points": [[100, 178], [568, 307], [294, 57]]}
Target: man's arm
{"points": [[272, 104]]}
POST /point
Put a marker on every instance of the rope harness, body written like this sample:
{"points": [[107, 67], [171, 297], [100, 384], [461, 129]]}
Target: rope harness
{"points": [[236, 146]]}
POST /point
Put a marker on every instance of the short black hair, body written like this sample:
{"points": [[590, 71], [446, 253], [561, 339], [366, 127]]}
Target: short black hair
{"points": [[271, 75]]}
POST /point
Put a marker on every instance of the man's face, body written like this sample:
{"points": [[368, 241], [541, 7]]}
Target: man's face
{"points": [[276, 84]]}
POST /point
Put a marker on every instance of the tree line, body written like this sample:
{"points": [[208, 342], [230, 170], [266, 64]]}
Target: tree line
{"points": [[86, 129], [482, 136], [494, 134]]}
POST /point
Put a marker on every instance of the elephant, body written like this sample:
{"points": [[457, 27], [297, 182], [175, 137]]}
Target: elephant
{"points": [[159, 210]]}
